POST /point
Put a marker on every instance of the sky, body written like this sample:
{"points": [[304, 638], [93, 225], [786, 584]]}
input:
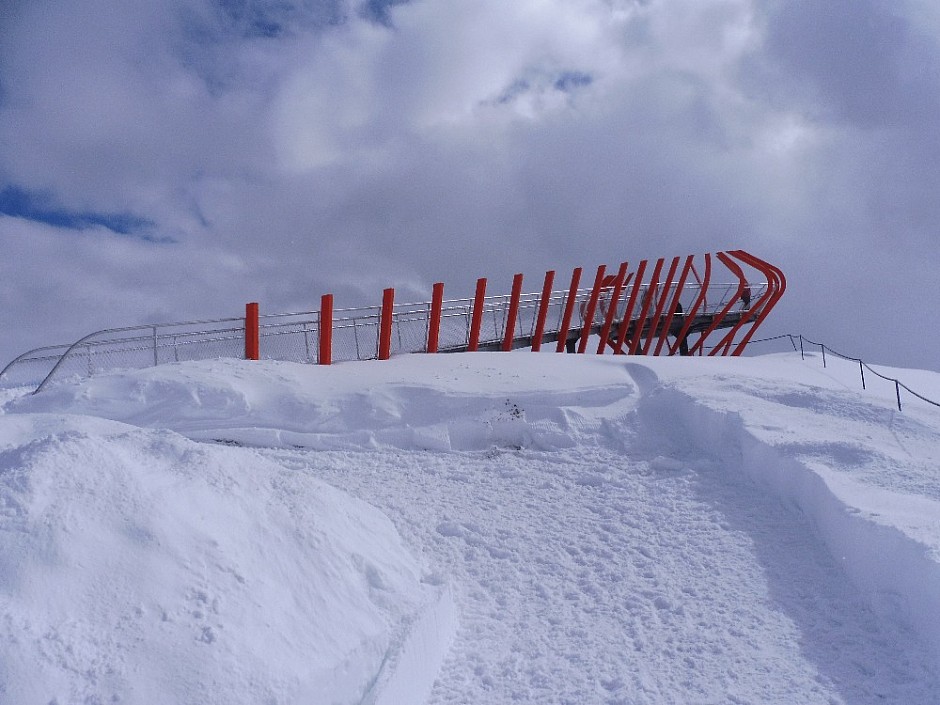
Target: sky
{"points": [[163, 160]]}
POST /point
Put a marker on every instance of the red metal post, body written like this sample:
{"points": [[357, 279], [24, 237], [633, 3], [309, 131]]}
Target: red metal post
{"points": [[476, 319], [645, 307], [660, 305], [569, 310], [673, 306], [434, 321], [326, 329], [513, 312], [543, 310], [591, 307], [776, 285], [628, 313], [700, 301], [252, 337], [385, 324], [612, 307]]}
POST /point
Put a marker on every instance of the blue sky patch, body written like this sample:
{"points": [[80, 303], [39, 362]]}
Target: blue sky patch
{"points": [[20, 203], [570, 80]]}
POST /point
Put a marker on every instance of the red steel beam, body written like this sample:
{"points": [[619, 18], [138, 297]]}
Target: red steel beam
{"points": [[644, 309], [252, 335], [776, 285], [700, 301], [591, 307], [513, 312], [569, 310], [477, 316], [434, 317], [673, 305], [612, 307], [543, 310], [326, 330], [628, 312], [385, 324], [660, 306]]}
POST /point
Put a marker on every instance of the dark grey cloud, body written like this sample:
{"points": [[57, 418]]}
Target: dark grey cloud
{"points": [[288, 149]]}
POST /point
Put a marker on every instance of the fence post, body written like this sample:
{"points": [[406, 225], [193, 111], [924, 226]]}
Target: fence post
{"points": [[434, 322], [513, 312], [385, 324], [861, 370], [802, 356], [251, 332], [823, 348], [477, 316], [543, 310], [156, 359], [569, 310], [591, 307], [897, 390], [325, 356]]}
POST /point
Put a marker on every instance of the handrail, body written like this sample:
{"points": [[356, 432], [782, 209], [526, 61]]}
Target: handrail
{"points": [[632, 314], [898, 385]]}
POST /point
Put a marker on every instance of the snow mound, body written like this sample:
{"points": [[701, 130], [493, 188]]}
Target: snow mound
{"points": [[437, 402], [604, 530], [140, 567]]}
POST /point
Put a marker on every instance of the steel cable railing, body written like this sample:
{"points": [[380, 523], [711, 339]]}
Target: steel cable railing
{"points": [[862, 365]]}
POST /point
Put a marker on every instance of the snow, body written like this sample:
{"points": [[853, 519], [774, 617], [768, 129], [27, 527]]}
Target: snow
{"points": [[484, 528]]}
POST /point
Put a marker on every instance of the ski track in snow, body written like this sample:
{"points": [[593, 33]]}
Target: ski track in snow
{"points": [[618, 575]]}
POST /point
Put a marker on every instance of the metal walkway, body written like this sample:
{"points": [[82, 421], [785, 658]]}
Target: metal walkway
{"points": [[657, 308]]}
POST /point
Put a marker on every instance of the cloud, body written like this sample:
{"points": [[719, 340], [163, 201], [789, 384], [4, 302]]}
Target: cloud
{"points": [[288, 149]]}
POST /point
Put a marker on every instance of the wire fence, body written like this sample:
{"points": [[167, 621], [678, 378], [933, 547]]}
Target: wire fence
{"points": [[295, 337], [862, 365]]}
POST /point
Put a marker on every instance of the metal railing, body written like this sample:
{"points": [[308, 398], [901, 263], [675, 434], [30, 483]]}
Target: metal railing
{"points": [[862, 365], [355, 332], [645, 308]]}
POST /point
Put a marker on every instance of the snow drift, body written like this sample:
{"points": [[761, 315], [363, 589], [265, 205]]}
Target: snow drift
{"points": [[602, 530]]}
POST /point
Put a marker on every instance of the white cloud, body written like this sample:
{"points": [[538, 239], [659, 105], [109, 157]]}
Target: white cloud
{"points": [[289, 155]]}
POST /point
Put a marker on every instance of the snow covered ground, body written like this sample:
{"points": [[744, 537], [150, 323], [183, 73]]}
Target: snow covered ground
{"points": [[474, 528]]}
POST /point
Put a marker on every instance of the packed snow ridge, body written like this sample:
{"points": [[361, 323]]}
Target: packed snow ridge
{"points": [[477, 528]]}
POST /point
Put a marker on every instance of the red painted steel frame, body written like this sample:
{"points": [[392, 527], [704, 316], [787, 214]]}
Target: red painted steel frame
{"points": [[591, 307], [660, 305], [673, 305], [434, 319], [385, 324], [569, 310], [628, 313], [724, 345], [699, 302], [612, 307], [513, 312], [644, 309], [776, 285], [477, 315], [543, 310], [700, 343], [326, 330], [252, 336]]}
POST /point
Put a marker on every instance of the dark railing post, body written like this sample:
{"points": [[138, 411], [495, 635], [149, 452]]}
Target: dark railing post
{"points": [[476, 320], [251, 332], [434, 317], [823, 348], [897, 390], [861, 369], [325, 352], [385, 324], [802, 356]]}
